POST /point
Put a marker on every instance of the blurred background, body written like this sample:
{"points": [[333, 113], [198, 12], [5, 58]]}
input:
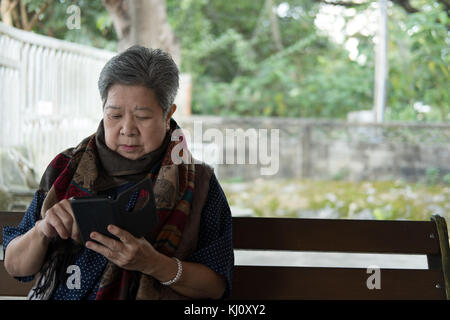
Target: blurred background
{"points": [[358, 91]]}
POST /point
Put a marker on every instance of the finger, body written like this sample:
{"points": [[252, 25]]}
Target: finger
{"points": [[67, 206], [76, 236], [75, 232], [108, 242], [54, 221], [64, 216], [124, 236], [104, 251]]}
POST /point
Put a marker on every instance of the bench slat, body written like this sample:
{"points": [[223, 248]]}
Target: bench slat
{"points": [[12, 287], [286, 283], [336, 235], [355, 236]]}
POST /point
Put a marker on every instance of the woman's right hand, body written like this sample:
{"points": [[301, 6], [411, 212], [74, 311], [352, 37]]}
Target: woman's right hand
{"points": [[59, 220]]}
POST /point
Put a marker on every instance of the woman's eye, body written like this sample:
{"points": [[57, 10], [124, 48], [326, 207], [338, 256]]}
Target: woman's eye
{"points": [[143, 118], [115, 116]]}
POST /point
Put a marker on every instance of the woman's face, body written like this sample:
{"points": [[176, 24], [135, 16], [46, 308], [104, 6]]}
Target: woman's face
{"points": [[134, 121]]}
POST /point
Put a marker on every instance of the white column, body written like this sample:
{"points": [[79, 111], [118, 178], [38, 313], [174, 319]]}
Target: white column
{"points": [[381, 65]]}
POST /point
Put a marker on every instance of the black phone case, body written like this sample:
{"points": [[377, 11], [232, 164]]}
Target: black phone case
{"points": [[96, 213]]}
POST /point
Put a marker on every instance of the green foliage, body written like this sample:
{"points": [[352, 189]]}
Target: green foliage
{"points": [[341, 174], [229, 49], [96, 25], [446, 179], [238, 71], [33, 5], [419, 63], [432, 176]]}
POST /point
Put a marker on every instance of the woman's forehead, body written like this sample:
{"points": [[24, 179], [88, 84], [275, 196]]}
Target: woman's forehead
{"points": [[136, 108], [131, 97]]}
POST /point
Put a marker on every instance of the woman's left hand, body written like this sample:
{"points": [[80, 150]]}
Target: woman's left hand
{"points": [[129, 253]]}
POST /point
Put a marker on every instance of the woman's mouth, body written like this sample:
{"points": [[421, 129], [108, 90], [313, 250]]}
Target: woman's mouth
{"points": [[128, 148]]}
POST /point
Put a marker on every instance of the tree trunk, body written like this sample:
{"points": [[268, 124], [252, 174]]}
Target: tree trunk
{"points": [[143, 22], [6, 11], [12, 17], [274, 27]]}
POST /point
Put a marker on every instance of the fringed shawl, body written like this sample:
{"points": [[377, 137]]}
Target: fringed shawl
{"points": [[78, 172]]}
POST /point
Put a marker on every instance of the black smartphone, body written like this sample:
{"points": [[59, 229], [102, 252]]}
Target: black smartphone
{"points": [[96, 213]]}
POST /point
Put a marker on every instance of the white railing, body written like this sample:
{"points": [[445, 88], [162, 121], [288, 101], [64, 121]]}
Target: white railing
{"points": [[49, 98]]}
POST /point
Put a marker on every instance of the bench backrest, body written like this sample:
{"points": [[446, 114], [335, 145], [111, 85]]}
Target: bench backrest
{"points": [[428, 238], [350, 236]]}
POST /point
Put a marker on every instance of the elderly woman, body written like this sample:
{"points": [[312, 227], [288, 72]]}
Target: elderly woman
{"points": [[191, 255]]}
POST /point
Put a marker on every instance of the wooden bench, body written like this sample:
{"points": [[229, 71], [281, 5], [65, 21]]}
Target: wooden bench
{"points": [[428, 238]]}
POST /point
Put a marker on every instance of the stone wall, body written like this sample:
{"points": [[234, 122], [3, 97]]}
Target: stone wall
{"points": [[324, 149]]}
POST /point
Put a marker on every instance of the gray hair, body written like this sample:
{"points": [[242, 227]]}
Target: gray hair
{"points": [[152, 68]]}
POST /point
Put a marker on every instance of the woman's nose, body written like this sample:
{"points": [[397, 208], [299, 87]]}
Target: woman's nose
{"points": [[128, 127]]}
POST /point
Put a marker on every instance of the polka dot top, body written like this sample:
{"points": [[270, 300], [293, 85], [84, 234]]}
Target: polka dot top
{"points": [[214, 248]]}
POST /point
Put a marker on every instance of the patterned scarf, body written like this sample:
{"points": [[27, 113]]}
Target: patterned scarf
{"points": [[79, 172]]}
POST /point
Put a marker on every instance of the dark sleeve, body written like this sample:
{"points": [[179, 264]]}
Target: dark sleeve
{"points": [[215, 246], [32, 215]]}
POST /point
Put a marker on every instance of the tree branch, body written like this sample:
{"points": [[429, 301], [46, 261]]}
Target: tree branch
{"points": [[119, 13], [403, 3], [13, 5], [261, 16], [16, 18], [37, 14], [6, 9], [342, 3], [276, 35], [23, 15]]}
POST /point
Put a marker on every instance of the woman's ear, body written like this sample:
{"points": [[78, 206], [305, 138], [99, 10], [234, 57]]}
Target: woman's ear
{"points": [[169, 115]]}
